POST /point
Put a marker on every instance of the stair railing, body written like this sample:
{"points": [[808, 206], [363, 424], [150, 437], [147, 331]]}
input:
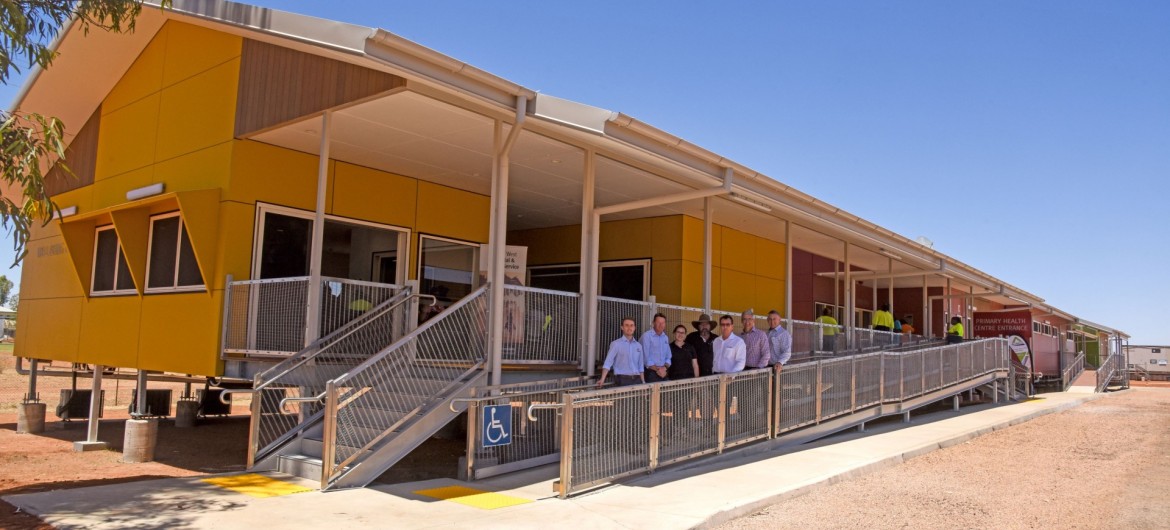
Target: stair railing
{"points": [[369, 402]]}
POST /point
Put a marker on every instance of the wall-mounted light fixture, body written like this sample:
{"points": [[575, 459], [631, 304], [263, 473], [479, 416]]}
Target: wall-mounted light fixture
{"points": [[750, 202], [66, 212], [144, 192]]}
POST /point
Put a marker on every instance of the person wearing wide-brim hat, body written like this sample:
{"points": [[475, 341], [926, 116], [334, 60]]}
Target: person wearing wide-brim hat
{"points": [[701, 340]]}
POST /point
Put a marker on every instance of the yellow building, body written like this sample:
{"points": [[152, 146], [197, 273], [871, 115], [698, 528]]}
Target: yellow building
{"points": [[251, 187]]}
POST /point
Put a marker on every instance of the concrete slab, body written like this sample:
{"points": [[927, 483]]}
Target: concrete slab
{"points": [[705, 494]]}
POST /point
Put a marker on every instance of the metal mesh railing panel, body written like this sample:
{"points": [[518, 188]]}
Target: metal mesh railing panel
{"points": [[541, 326], [689, 426], [344, 300], [932, 370], [747, 406], [798, 399], [389, 388], [912, 366], [267, 316], [836, 387], [610, 312], [306, 373], [611, 435], [892, 377], [868, 380]]}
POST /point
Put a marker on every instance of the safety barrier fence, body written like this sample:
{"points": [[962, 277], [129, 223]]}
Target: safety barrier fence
{"points": [[541, 326], [607, 434], [366, 404], [533, 442], [307, 372], [1072, 371], [269, 317]]}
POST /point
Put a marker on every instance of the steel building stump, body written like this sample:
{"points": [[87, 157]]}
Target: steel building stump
{"points": [[185, 412]]}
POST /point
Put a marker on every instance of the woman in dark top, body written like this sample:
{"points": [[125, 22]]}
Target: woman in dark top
{"points": [[684, 363]]}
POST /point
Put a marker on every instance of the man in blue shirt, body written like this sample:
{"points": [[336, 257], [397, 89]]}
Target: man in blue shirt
{"points": [[779, 341], [625, 358], [656, 348]]}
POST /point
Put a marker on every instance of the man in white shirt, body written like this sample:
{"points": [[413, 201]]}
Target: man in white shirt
{"points": [[730, 350]]}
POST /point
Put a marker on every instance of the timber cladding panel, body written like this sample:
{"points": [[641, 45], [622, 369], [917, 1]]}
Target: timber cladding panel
{"points": [[278, 84], [80, 158]]}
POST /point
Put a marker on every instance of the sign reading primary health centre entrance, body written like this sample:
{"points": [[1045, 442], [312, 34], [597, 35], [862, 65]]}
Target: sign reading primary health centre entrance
{"points": [[1013, 324]]}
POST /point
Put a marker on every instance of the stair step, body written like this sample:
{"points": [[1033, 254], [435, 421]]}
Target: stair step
{"points": [[300, 466]]}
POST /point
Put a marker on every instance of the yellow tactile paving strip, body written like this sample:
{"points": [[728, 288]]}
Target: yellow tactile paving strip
{"points": [[484, 500], [255, 485]]}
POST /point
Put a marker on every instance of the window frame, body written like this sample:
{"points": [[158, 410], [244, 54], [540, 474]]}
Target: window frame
{"points": [[120, 255], [262, 208], [174, 288], [647, 273]]}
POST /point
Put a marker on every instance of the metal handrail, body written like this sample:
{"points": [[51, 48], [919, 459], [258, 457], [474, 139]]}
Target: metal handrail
{"points": [[317, 398], [480, 399], [536, 406]]}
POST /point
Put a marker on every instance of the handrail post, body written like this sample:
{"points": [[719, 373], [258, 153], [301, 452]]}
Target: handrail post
{"points": [[329, 434], [819, 389], [772, 403], [227, 314], [655, 424], [254, 426], [852, 384], [566, 482], [472, 437], [722, 407]]}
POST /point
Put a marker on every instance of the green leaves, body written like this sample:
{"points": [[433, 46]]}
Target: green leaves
{"points": [[29, 145]]}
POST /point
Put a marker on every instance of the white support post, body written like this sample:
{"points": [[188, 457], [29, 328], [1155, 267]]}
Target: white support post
{"points": [[890, 289], [499, 234], [947, 308], [588, 265], [91, 442], [313, 318], [850, 300], [708, 243], [591, 331], [925, 323]]}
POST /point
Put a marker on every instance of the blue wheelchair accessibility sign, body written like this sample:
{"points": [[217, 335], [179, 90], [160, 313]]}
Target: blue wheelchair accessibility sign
{"points": [[497, 425]]}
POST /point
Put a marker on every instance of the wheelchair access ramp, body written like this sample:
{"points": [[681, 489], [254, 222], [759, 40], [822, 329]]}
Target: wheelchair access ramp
{"points": [[608, 434], [366, 419]]}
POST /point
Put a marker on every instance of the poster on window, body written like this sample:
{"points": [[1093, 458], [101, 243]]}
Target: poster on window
{"points": [[515, 268], [1013, 324]]}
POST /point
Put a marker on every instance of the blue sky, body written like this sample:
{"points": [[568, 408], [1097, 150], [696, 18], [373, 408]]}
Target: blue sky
{"points": [[1028, 139]]}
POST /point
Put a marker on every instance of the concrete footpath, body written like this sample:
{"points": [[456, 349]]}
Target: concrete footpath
{"points": [[681, 497]]}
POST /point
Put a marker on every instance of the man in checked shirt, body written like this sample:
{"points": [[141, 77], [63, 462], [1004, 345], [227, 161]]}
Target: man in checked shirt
{"points": [[758, 353]]}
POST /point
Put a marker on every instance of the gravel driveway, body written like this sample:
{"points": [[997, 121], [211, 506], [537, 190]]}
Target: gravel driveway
{"points": [[1104, 464]]}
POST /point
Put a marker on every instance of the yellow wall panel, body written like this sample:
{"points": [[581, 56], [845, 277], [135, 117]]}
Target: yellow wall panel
{"points": [[628, 239], [53, 276], [194, 49], [666, 281], [769, 295], [143, 78], [262, 172], [692, 244], [126, 138], [453, 213], [133, 228], [738, 251], [112, 191], [716, 288], [180, 332], [738, 291], [198, 112], [716, 246], [692, 284], [235, 243], [363, 193], [200, 170], [82, 198], [666, 237], [770, 259], [109, 331], [49, 329]]}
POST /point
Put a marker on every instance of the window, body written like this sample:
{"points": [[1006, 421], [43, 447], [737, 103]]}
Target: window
{"points": [[351, 249], [110, 273], [448, 269], [171, 265], [1035, 327], [628, 280]]}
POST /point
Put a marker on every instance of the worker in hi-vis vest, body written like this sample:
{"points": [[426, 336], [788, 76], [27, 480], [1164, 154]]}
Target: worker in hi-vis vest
{"points": [[883, 320], [828, 330], [955, 332]]}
